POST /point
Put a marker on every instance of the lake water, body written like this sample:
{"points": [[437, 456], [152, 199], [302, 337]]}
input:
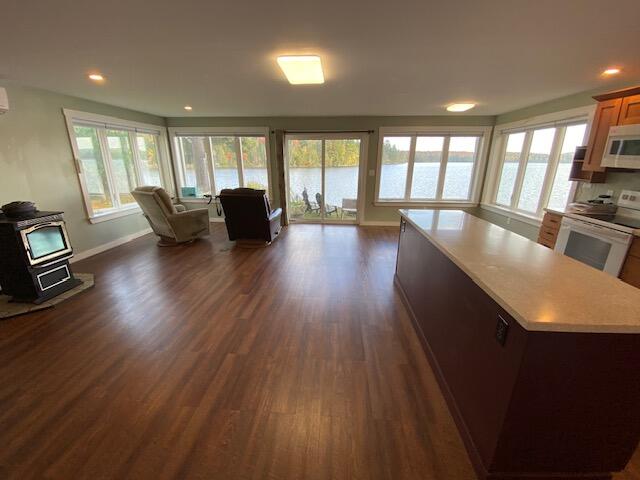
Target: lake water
{"points": [[342, 182]]}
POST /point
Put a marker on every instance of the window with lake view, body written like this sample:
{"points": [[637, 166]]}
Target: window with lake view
{"points": [[535, 166], [428, 168], [211, 163]]}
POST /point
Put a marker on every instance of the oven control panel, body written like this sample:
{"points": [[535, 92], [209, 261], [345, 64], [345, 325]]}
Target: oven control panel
{"points": [[629, 199]]}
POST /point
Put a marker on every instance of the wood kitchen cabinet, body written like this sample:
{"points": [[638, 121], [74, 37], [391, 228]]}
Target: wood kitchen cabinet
{"points": [[615, 108], [631, 269], [606, 116], [548, 234], [630, 110]]}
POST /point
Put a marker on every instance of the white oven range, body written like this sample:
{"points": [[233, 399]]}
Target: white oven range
{"points": [[601, 240]]}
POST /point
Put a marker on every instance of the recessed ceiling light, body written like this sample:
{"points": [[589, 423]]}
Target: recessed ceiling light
{"points": [[96, 77], [460, 107], [188, 107], [611, 71], [302, 69]]}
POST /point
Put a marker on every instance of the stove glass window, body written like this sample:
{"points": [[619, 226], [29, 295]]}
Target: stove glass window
{"points": [[45, 241], [589, 250]]}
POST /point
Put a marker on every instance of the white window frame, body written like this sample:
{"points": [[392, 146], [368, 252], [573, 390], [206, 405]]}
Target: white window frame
{"points": [[498, 150], [176, 132], [75, 117], [484, 132]]}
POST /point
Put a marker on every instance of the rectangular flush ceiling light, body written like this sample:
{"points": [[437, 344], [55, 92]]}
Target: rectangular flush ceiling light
{"points": [[302, 69]]}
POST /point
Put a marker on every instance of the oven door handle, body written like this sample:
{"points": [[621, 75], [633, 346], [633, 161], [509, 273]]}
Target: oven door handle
{"points": [[596, 230]]}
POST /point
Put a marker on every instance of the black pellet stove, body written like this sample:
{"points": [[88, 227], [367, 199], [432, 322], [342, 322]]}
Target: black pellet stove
{"points": [[34, 254]]}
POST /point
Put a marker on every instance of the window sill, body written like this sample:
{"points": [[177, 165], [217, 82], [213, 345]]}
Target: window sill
{"points": [[522, 217], [192, 200], [104, 217]]}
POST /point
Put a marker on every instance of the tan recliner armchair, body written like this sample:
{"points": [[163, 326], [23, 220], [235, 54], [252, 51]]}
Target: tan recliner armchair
{"points": [[172, 223]]}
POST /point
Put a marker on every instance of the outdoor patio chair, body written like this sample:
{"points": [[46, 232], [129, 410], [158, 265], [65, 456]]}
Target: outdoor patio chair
{"points": [[349, 206], [309, 207], [328, 209]]}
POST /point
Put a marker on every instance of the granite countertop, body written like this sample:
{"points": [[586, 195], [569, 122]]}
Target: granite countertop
{"points": [[555, 212], [541, 289]]}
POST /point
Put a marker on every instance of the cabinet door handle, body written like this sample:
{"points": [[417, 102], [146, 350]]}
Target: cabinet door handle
{"points": [[403, 225]]}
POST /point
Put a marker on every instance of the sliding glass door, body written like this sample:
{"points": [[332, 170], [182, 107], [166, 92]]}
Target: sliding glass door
{"points": [[324, 174]]}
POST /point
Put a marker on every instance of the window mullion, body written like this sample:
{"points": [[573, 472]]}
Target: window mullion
{"points": [[443, 167], [208, 149], [474, 169], [323, 178], [182, 166], [522, 167], [498, 178], [164, 182], [239, 162], [137, 166], [552, 166], [106, 156], [412, 158]]}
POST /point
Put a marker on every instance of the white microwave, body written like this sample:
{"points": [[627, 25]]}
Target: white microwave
{"points": [[623, 147]]}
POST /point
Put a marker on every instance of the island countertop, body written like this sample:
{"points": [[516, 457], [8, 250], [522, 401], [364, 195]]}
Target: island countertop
{"points": [[541, 289]]}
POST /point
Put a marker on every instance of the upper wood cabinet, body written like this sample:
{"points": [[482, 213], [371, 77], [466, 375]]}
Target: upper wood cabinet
{"points": [[615, 108], [630, 111], [606, 116]]}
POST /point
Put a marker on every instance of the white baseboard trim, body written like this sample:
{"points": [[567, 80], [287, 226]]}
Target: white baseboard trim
{"points": [[109, 245], [373, 223], [216, 219]]}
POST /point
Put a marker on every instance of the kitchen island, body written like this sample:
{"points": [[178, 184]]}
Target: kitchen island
{"points": [[538, 355]]}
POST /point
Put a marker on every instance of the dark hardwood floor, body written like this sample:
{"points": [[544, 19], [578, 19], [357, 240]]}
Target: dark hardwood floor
{"points": [[296, 361]]}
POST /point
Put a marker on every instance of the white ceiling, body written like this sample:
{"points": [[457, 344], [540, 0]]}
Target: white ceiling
{"points": [[403, 57]]}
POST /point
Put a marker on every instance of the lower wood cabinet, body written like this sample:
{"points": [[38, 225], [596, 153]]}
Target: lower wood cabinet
{"points": [[631, 269], [549, 229]]}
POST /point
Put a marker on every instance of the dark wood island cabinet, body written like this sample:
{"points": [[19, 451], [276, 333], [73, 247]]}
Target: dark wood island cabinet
{"points": [[537, 354]]}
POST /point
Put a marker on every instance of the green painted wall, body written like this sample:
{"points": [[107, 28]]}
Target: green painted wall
{"points": [[36, 161], [559, 104], [372, 213]]}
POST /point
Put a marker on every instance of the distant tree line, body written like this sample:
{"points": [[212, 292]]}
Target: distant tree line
{"points": [[308, 153], [393, 155], [224, 151]]}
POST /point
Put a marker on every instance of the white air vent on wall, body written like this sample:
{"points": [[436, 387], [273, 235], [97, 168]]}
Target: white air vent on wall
{"points": [[4, 101]]}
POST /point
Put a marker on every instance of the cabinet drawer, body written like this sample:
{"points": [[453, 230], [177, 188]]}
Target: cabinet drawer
{"points": [[550, 235], [552, 220], [549, 230], [631, 271], [547, 242]]}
